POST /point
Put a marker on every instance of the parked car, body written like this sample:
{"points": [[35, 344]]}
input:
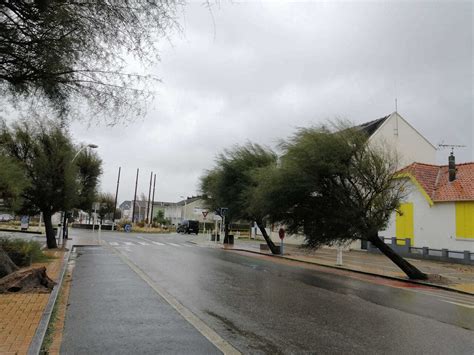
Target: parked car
{"points": [[5, 217], [188, 227]]}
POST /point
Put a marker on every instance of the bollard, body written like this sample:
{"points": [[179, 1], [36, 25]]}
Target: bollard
{"points": [[339, 256]]}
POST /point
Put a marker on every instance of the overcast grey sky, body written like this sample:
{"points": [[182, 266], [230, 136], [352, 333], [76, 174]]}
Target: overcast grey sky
{"points": [[266, 68]]}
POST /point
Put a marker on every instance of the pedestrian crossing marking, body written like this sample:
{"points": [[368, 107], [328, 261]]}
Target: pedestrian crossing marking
{"points": [[137, 243]]}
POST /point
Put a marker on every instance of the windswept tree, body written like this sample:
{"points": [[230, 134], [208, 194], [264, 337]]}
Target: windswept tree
{"points": [[89, 171], [230, 182], [45, 154], [335, 188], [106, 205], [78, 51]]}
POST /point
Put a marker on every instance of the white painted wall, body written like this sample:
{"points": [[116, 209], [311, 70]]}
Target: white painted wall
{"points": [[398, 135], [434, 226]]}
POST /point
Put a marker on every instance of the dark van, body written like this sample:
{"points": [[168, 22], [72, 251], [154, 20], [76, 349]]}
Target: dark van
{"points": [[188, 227]]}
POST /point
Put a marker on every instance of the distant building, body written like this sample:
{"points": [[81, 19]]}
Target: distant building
{"points": [[191, 208], [126, 207]]}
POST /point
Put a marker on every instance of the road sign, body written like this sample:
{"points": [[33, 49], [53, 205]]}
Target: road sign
{"points": [[281, 233], [25, 222], [127, 228], [204, 214]]}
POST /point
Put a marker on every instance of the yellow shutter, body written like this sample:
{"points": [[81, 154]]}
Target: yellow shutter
{"points": [[404, 223], [465, 219]]}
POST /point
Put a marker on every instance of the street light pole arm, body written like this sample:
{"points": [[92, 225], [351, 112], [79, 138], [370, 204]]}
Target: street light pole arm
{"points": [[80, 150]]}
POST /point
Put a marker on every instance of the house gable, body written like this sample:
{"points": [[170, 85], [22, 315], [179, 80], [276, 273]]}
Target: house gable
{"points": [[410, 145]]}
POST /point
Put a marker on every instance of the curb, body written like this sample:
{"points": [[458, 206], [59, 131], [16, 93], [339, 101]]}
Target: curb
{"points": [[38, 338], [359, 272]]}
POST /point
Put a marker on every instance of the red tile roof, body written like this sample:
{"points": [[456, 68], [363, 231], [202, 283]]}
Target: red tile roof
{"points": [[435, 182]]}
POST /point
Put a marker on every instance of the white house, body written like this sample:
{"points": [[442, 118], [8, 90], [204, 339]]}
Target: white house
{"points": [[438, 211]]}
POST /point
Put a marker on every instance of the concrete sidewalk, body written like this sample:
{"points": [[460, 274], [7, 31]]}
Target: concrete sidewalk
{"points": [[453, 276]]}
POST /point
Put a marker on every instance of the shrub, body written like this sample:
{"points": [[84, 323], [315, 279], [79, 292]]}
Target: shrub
{"points": [[22, 252]]}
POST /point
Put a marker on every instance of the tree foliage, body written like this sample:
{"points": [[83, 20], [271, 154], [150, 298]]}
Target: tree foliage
{"points": [[334, 187], [107, 205], [45, 154], [67, 51], [89, 171], [231, 182], [12, 182]]}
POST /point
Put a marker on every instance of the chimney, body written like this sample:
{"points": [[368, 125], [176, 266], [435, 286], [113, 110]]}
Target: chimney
{"points": [[452, 167]]}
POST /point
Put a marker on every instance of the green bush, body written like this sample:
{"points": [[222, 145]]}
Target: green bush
{"points": [[22, 252]]}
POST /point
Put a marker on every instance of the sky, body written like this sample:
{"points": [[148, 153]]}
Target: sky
{"points": [[256, 71]]}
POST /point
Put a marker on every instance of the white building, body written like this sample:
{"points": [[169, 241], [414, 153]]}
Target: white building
{"points": [[394, 133], [437, 213]]}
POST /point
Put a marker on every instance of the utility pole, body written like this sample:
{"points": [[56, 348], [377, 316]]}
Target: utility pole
{"points": [[135, 197], [116, 196], [147, 219], [153, 199]]}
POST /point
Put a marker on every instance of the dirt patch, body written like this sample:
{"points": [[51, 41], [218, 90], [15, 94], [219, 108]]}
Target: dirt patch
{"points": [[439, 280]]}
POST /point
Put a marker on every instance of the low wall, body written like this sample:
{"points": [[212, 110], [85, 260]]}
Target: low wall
{"points": [[403, 248]]}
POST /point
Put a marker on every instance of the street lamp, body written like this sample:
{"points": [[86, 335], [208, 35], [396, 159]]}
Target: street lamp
{"points": [[92, 146]]}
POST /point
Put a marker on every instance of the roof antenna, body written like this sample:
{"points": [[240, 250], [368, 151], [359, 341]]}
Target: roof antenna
{"points": [[452, 146]]}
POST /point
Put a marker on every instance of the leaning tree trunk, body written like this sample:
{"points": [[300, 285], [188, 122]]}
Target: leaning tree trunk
{"points": [[274, 249], [411, 271], [7, 266], [50, 236]]}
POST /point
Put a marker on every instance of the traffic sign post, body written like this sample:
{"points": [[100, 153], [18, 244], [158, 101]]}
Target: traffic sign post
{"points": [[281, 234]]}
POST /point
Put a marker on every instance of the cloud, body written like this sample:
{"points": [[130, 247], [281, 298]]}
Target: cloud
{"points": [[267, 68]]}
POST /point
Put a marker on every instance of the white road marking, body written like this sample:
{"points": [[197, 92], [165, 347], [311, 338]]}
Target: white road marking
{"points": [[114, 243], [460, 304], [452, 297], [141, 243], [157, 243], [175, 245], [128, 243], [187, 245]]}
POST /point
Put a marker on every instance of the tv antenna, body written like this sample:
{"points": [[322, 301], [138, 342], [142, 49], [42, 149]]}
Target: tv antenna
{"points": [[452, 146]]}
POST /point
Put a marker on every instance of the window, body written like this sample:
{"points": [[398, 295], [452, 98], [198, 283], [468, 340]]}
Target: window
{"points": [[465, 219]]}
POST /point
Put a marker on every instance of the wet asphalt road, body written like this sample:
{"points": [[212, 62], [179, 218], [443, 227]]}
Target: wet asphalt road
{"points": [[263, 305], [113, 311]]}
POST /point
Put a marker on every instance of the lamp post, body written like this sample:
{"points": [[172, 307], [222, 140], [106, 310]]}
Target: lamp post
{"points": [[92, 146]]}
